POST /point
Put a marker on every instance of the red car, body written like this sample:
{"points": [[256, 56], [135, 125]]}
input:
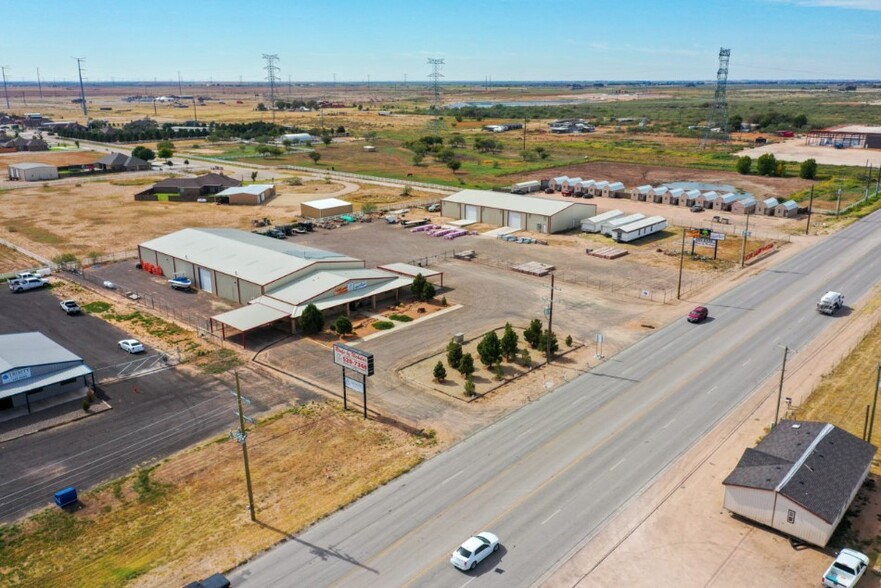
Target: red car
{"points": [[698, 314]]}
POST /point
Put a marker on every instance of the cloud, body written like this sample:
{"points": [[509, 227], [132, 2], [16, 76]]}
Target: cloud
{"points": [[849, 4]]}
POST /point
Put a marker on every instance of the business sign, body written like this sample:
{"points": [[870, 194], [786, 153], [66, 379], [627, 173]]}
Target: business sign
{"points": [[704, 242], [356, 286], [15, 375], [717, 236], [356, 385], [352, 358]]}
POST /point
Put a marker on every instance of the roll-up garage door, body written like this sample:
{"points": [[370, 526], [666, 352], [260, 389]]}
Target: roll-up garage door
{"points": [[471, 213], [515, 220], [205, 280]]}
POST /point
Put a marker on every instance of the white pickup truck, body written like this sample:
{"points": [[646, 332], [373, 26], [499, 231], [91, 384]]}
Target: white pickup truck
{"points": [[846, 570], [21, 284], [830, 302]]}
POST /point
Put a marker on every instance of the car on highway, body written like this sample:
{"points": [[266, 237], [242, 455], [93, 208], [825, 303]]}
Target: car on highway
{"points": [[70, 307], [846, 570], [131, 345], [213, 581], [698, 315], [474, 551]]}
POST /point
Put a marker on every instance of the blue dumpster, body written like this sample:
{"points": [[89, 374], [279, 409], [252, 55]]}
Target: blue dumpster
{"points": [[65, 497]]}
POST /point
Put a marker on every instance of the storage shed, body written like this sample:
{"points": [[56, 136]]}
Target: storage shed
{"points": [[766, 207], [689, 198], [744, 206], [596, 189], [594, 224], [607, 226], [725, 201], [656, 194], [526, 187], [557, 183], [539, 215], [32, 172], [253, 194], [800, 479], [568, 185], [639, 193], [639, 229], [672, 196], [325, 207], [788, 209], [706, 199], [583, 187], [614, 190]]}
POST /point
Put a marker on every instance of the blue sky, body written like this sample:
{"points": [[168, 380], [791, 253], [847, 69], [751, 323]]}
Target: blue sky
{"points": [[503, 39]]}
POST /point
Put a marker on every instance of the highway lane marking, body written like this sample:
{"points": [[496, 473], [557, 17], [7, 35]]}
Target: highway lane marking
{"points": [[620, 461], [670, 422], [710, 391], [524, 432], [746, 362], [581, 399], [800, 320], [459, 473], [553, 514], [468, 582]]}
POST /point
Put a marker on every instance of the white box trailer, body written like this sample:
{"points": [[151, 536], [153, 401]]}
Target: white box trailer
{"points": [[526, 187], [607, 226], [639, 229], [594, 224]]}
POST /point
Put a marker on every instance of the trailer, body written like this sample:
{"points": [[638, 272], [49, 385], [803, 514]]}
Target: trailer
{"points": [[526, 187], [607, 226], [639, 229], [595, 223]]}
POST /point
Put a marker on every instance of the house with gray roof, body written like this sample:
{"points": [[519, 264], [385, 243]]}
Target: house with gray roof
{"points": [[193, 189], [119, 162], [800, 479]]}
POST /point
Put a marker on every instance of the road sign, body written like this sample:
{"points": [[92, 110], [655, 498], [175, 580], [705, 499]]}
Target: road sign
{"points": [[353, 358], [717, 236], [746, 233], [599, 337], [356, 385], [704, 242]]}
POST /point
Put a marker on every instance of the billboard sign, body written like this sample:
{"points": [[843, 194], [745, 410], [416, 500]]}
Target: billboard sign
{"points": [[353, 358], [356, 385]]}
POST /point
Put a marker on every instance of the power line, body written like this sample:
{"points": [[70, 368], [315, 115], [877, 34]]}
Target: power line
{"points": [[79, 66], [5, 89], [718, 118], [271, 77], [435, 77]]}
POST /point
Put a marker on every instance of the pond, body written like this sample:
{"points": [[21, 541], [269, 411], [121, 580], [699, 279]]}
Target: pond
{"points": [[704, 187]]}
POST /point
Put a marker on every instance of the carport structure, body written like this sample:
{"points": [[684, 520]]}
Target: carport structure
{"points": [[411, 271]]}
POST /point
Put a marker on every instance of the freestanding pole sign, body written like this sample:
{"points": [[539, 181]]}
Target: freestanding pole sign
{"points": [[359, 361]]}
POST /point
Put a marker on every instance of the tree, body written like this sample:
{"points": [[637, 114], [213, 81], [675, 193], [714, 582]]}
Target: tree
{"points": [[311, 321], [490, 349], [744, 165], [734, 122], [144, 153], [457, 141], [417, 158], [800, 121], [343, 325], [766, 165], [509, 343], [418, 287], [780, 169], [568, 340], [314, 156], [165, 144], [429, 291], [454, 354], [440, 372], [454, 164], [525, 358], [165, 153], [466, 365], [261, 107], [543, 343], [532, 334], [808, 169], [287, 144], [253, 176], [469, 387], [326, 138]]}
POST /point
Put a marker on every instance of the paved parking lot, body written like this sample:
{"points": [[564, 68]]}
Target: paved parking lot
{"points": [[152, 416]]}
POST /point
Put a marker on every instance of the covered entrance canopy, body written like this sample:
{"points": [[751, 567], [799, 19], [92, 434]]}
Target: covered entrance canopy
{"points": [[247, 318]]}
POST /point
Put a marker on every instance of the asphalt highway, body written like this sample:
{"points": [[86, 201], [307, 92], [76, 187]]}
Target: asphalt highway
{"points": [[547, 477]]}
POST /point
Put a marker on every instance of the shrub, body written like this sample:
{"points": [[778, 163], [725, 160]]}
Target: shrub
{"points": [[401, 318], [525, 358], [499, 372], [443, 301], [383, 325], [311, 321], [469, 387], [343, 325], [766, 165], [568, 340], [744, 165], [440, 372], [808, 169], [454, 354]]}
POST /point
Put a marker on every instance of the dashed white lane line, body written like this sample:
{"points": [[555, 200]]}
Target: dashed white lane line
{"points": [[459, 473], [553, 514], [620, 461]]}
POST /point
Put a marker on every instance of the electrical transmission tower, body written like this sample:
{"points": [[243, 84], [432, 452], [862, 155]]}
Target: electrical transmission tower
{"points": [[435, 77], [79, 66], [272, 78], [718, 118], [5, 88]]}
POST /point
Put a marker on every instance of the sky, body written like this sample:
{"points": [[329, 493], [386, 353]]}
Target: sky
{"points": [[386, 40]]}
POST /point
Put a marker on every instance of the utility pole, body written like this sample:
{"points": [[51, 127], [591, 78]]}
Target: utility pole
{"points": [[5, 89], [195, 114], [810, 209], [242, 437], [39, 85], [780, 388], [681, 263], [838, 202], [79, 67], [868, 184], [874, 405], [524, 134], [743, 246], [548, 349], [180, 88]]}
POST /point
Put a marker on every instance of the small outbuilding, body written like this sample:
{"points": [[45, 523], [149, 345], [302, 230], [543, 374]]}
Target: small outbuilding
{"points": [[557, 183], [656, 194], [800, 479], [326, 207], [595, 223], [596, 189], [539, 215], [639, 193], [298, 138], [672, 196], [766, 207], [608, 226], [788, 209], [706, 199], [583, 187], [639, 229], [252, 194], [569, 184], [689, 198], [725, 201], [32, 172], [744, 206], [614, 190]]}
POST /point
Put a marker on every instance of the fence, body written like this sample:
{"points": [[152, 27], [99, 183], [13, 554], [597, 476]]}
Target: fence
{"points": [[375, 179]]}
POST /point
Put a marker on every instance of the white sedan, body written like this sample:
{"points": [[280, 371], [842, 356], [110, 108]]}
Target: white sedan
{"points": [[474, 551], [131, 345]]}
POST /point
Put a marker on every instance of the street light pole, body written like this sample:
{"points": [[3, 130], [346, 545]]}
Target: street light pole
{"points": [[810, 209], [743, 246], [780, 388], [550, 321]]}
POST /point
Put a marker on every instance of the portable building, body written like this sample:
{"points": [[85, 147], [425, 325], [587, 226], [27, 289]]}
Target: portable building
{"points": [[32, 172], [800, 479], [597, 188], [640, 192], [583, 187], [672, 196], [744, 206], [594, 224], [766, 207], [526, 187], [788, 209], [689, 198], [252, 194], [706, 199], [569, 184], [607, 226], [539, 215], [725, 201], [656, 194], [614, 190], [639, 229], [325, 207], [557, 183]]}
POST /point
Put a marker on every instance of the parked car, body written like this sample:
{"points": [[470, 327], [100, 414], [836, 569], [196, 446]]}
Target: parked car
{"points": [[20, 285], [131, 345], [549, 190], [70, 307], [213, 581], [433, 208], [697, 208], [846, 570], [474, 551], [698, 315]]}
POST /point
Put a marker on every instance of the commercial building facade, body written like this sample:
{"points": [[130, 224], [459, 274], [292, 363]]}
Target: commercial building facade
{"points": [[539, 215]]}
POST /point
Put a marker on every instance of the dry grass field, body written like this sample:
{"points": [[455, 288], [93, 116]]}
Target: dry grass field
{"points": [[187, 517], [58, 158]]}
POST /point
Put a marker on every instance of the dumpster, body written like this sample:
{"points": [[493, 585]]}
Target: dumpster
{"points": [[66, 497]]}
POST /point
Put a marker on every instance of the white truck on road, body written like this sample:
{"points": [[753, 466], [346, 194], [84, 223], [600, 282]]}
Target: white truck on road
{"points": [[830, 302]]}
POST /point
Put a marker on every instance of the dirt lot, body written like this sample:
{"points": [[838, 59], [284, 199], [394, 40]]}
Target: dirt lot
{"points": [[796, 150], [57, 158], [12, 261]]}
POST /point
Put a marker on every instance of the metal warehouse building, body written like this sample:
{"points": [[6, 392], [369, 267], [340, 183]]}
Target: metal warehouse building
{"points": [[539, 215], [34, 368], [32, 172], [325, 208]]}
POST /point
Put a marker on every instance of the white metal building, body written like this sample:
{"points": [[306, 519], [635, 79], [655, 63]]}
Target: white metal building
{"points": [[639, 229], [252, 194], [672, 196], [596, 189], [595, 223], [32, 172], [526, 187], [539, 215], [607, 226], [689, 198], [614, 190], [298, 138], [766, 207], [800, 479], [639, 193], [326, 207]]}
